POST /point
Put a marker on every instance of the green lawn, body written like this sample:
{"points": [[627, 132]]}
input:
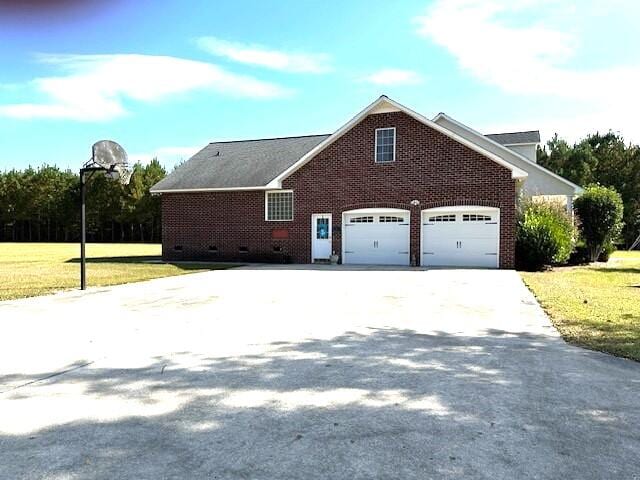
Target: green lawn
{"points": [[596, 306], [28, 269]]}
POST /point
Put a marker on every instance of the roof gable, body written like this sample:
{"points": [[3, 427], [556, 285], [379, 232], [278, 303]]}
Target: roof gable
{"points": [[385, 104]]}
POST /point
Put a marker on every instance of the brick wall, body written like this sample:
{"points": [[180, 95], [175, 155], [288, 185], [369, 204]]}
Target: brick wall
{"points": [[429, 167]]}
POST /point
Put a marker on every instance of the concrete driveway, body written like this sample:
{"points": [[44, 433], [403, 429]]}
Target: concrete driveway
{"points": [[285, 373]]}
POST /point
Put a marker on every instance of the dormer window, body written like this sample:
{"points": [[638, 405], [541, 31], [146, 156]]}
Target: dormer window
{"points": [[385, 145]]}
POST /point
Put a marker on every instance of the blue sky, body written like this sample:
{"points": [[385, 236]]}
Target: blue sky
{"points": [[166, 77]]}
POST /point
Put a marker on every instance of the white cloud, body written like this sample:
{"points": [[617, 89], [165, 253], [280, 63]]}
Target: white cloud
{"points": [[262, 56], [391, 76], [93, 87], [167, 156], [531, 58]]}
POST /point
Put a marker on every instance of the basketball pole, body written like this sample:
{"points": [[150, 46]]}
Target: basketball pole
{"points": [[83, 221], [83, 230]]}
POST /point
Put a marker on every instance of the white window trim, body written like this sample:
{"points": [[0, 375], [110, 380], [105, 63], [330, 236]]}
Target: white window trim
{"points": [[266, 205], [375, 150]]}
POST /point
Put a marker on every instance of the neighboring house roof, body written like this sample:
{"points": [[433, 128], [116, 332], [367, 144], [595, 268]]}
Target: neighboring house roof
{"points": [[238, 165], [515, 138], [264, 164], [529, 164]]}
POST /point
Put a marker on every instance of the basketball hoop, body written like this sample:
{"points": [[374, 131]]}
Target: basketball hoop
{"points": [[109, 158]]}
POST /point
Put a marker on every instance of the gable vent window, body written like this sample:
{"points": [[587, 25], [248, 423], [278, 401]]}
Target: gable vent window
{"points": [[472, 217], [361, 220], [387, 219], [385, 145], [443, 218], [279, 206]]}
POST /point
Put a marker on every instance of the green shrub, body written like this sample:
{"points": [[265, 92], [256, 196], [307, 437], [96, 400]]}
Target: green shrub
{"points": [[545, 235], [600, 211]]}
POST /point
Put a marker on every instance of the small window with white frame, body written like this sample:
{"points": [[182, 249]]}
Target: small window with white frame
{"points": [[279, 205], [385, 145]]}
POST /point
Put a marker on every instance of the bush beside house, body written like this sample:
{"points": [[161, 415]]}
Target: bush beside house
{"points": [[545, 235]]}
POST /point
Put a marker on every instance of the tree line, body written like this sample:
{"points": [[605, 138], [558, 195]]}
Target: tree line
{"points": [[602, 159], [43, 205]]}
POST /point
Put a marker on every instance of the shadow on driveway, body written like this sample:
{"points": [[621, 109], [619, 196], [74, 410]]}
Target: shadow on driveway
{"points": [[387, 404]]}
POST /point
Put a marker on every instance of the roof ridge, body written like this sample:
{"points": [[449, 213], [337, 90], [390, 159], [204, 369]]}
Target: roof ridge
{"points": [[510, 133], [272, 138]]}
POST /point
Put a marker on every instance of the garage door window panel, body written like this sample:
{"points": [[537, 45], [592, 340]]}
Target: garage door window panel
{"points": [[472, 217], [390, 219], [365, 219], [443, 218]]}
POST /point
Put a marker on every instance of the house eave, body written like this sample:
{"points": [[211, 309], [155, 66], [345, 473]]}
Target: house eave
{"points": [[221, 189]]}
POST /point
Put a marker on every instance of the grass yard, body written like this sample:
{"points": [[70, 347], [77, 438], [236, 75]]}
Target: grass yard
{"points": [[29, 269], [596, 306]]}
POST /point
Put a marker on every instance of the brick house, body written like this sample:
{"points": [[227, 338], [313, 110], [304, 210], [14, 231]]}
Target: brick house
{"points": [[388, 187]]}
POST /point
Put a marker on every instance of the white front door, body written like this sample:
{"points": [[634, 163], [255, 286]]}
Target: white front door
{"points": [[461, 237], [320, 236], [376, 237]]}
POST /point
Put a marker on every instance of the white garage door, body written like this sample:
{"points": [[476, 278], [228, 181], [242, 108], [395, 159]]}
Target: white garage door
{"points": [[461, 237], [376, 237]]}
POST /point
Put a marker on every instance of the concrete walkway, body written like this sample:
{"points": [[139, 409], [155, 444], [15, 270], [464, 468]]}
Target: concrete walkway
{"points": [[271, 372]]}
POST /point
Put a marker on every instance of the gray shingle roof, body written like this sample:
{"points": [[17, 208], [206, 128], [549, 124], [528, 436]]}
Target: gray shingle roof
{"points": [[532, 136], [254, 163], [245, 163]]}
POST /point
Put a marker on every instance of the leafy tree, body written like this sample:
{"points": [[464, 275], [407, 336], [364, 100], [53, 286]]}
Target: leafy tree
{"points": [[600, 211], [43, 205], [604, 159]]}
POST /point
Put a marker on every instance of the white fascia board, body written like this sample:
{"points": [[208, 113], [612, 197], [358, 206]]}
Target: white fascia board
{"points": [[514, 144], [577, 188], [376, 210], [461, 208], [194, 190], [276, 182]]}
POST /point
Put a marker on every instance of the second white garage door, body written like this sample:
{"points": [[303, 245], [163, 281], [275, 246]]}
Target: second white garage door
{"points": [[461, 237], [376, 237]]}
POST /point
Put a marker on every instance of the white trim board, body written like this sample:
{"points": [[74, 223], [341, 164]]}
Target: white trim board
{"points": [[220, 189]]}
